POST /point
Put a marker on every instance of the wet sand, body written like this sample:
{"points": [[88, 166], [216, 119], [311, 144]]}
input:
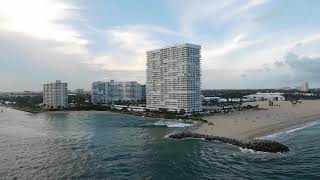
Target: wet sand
{"points": [[256, 123]]}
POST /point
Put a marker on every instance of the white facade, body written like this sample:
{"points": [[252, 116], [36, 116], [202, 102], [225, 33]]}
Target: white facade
{"points": [[79, 91], [174, 78], [104, 92], [304, 86], [55, 95], [266, 96]]}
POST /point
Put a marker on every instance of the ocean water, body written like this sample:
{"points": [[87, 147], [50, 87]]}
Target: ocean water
{"points": [[95, 145]]}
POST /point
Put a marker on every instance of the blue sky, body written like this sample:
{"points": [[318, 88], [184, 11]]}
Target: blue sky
{"points": [[245, 43]]}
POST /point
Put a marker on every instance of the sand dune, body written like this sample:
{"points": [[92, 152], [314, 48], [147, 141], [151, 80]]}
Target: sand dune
{"points": [[257, 123]]}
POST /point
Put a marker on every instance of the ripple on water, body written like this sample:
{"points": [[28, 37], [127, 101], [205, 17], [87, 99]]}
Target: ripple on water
{"points": [[111, 146]]}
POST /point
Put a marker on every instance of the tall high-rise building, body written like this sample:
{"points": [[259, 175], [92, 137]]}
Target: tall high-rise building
{"points": [[104, 92], [174, 78], [55, 95], [304, 86]]}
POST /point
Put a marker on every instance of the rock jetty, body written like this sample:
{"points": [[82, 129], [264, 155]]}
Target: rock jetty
{"points": [[257, 145]]}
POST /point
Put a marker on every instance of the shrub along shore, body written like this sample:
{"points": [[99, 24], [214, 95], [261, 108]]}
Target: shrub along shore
{"points": [[90, 107]]}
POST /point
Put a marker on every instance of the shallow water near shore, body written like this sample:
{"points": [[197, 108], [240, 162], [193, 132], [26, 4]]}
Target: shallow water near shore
{"points": [[93, 145]]}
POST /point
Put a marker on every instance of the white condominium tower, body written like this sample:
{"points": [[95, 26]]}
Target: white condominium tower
{"points": [[304, 86], [55, 95], [105, 92], [173, 78]]}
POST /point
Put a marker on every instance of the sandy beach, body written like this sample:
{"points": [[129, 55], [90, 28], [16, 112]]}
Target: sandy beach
{"points": [[256, 123]]}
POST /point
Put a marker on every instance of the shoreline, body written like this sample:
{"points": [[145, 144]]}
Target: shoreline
{"points": [[289, 130], [23, 109], [154, 115], [276, 129], [250, 137], [256, 124], [241, 125], [106, 112]]}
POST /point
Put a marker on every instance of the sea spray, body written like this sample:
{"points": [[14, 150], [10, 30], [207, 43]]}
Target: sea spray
{"points": [[171, 124]]}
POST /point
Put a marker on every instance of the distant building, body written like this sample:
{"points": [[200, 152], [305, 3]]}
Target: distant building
{"points": [[4, 94], [136, 108], [304, 86], [24, 94], [105, 92], [55, 95], [79, 91], [285, 88], [173, 78], [87, 92], [208, 99], [143, 92], [265, 96]]}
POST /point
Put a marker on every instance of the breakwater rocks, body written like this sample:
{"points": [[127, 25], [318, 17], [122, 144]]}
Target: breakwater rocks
{"points": [[257, 145]]}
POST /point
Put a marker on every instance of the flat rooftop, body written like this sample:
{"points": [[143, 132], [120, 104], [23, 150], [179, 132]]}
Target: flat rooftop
{"points": [[177, 45]]}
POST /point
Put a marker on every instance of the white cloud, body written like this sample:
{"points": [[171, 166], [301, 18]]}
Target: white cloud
{"points": [[45, 20], [127, 46], [193, 14], [110, 63], [233, 42], [273, 48], [236, 9], [219, 43], [251, 4], [225, 48]]}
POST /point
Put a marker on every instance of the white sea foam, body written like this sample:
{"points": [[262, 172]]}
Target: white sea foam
{"points": [[261, 154], [289, 130], [245, 150], [171, 124]]}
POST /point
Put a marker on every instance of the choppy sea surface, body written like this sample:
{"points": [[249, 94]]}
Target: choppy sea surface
{"points": [[95, 145]]}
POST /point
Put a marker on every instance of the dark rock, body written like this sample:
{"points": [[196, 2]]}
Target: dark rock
{"points": [[257, 145], [204, 121]]}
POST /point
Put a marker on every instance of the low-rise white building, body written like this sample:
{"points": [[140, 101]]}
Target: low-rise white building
{"points": [[79, 91], [137, 108], [119, 107], [208, 99], [265, 96]]}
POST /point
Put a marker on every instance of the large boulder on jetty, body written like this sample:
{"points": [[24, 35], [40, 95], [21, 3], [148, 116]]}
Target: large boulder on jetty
{"points": [[257, 145], [265, 146]]}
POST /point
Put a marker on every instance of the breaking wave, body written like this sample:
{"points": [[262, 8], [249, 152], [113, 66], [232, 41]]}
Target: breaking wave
{"points": [[171, 124], [289, 130], [250, 151]]}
